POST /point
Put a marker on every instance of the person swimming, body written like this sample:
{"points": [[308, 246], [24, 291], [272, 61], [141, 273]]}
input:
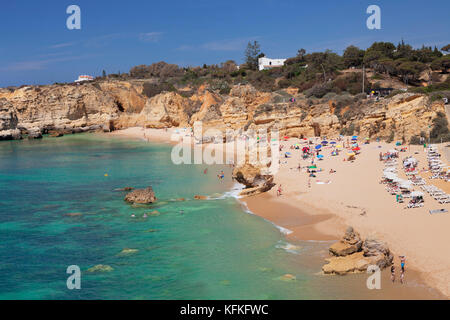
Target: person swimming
{"points": [[221, 175]]}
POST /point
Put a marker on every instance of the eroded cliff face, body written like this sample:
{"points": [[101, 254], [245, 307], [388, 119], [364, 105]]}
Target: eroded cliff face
{"points": [[111, 105]]}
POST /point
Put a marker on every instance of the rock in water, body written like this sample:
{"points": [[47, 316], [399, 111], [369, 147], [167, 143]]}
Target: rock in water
{"points": [[34, 133], [100, 268], [142, 196], [125, 189], [128, 251], [198, 197]]}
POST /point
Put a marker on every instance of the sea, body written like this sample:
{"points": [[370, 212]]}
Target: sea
{"points": [[62, 209]]}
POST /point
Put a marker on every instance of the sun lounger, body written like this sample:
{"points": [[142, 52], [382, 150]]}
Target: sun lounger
{"points": [[438, 211]]}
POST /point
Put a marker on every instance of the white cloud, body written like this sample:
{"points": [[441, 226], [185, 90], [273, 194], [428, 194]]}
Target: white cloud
{"points": [[150, 36]]}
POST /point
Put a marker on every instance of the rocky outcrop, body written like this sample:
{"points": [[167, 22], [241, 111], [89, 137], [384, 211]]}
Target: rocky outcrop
{"points": [[61, 108], [8, 121], [255, 182], [141, 196], [351, 254], [108, 105]]}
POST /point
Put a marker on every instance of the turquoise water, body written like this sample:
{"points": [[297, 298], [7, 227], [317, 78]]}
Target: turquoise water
{"points": [[211, 250]]}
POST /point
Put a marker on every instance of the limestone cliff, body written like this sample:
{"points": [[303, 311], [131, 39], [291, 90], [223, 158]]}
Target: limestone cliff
{"points": [[110, 105]]}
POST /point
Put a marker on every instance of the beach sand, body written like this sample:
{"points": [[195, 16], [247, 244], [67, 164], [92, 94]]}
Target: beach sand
{"points": [[355, 197], [352, 197]]}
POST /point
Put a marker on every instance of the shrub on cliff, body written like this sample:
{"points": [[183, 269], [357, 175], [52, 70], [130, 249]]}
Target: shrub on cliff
{"points": [[440, 128], [152, 89]]}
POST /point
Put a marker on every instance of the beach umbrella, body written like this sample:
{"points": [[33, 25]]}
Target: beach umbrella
{"points": [[305, 149], [333, 142], [320, 156], [318, 146], [356, 149], [338, 146], [355, 137], [350, 153], [324, 142]]}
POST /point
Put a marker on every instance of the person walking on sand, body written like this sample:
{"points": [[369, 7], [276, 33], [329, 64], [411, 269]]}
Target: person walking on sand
{"points": [[402, 262], [402, 276], [393, 273], [279, 190]]}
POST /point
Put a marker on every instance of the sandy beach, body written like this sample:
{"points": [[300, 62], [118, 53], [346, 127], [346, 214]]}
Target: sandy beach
{"points": [[352, 196]]}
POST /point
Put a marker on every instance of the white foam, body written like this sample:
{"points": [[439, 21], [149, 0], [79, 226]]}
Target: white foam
{"points": [[289, 247], [233, 193], [281, 229]]}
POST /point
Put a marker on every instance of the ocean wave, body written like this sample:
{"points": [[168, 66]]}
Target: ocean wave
{"points": [[289, 247], [233, 193], [281, 229]]}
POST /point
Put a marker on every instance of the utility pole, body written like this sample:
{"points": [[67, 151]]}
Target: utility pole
{"points": [[364, 74]]}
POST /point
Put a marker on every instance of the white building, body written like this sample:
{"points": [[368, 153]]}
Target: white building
{"points": [[84, 78], [266, 63]]}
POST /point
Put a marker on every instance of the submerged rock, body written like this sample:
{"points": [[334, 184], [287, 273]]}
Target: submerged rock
{"points": [[125, 189], [128, 251], [100, 268], [56, 134], [288, 277], [74, 214], [141, 196]]}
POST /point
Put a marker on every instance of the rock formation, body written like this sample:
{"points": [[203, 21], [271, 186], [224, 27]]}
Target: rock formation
{"points": [[255, 182], [109, 105], [351, 254], [141, 196]]}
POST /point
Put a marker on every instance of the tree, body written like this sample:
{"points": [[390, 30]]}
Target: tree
{"points": [[301, 53], [251, 55], [409, 70], [442, 64], [446, 48], [353, 56]]}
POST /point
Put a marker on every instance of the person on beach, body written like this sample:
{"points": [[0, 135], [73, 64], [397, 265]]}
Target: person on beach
{"points": [[221, 175], [402, 276], [393, 273], [402, 262], [279, 190], [205, 171]]}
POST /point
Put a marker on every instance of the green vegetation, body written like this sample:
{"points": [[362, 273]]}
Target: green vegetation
{"points": [[316, 74]]}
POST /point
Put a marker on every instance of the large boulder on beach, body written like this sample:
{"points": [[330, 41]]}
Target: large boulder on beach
{"points": [[378, 252], [141, 196], [351, 254], [254, 181], [350, 243]]}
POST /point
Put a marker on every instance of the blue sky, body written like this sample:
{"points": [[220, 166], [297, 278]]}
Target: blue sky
{"points": [[37, 48]]}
